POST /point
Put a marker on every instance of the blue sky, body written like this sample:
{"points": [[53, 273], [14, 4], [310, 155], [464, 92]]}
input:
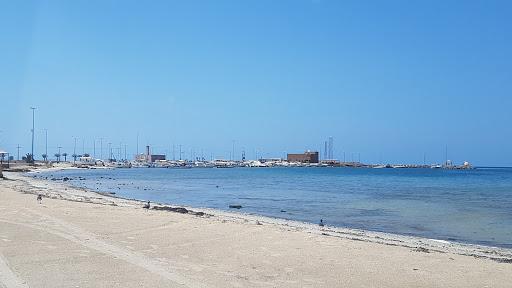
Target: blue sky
{"points": [[390, 80]]}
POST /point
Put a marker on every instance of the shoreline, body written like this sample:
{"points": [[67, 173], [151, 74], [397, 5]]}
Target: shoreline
{"points": [[77, 237], [55, 190]]}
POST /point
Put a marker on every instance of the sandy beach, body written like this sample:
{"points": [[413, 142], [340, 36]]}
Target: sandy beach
{"points": [[77, 238]]}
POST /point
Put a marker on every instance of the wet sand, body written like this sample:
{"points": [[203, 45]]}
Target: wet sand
{"points": [[77, 238]]}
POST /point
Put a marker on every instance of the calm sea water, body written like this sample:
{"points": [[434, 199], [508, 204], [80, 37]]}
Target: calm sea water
{"points": [[473, 206]]}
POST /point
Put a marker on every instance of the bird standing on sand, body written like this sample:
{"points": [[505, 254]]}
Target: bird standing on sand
{"points": [[147, 206], [39, 198], [321, 224]]}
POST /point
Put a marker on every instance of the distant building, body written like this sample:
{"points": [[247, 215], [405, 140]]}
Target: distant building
{"points": [[306, 157], [148, 157], [156, 157]]}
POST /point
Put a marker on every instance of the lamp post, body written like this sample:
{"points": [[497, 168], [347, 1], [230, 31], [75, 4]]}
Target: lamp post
{"points": [[33, 125], [74, 152], [46, 143]]}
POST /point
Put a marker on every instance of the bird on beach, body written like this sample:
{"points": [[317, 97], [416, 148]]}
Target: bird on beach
{"points": [[321, 224], [147, 206], [39, 198]]}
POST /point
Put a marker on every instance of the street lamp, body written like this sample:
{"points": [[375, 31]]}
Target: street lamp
{"points": [[74, 152], [33, 124], [46, 143]]}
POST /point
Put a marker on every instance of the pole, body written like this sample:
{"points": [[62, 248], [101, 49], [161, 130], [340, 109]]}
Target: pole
{"points": [[59, 153], [233, 151], [18, 147], [33, 126], [110, 152], [101, 148], [46, 142], [74, 152], [446, 155], [94, 147], [137, 143]]}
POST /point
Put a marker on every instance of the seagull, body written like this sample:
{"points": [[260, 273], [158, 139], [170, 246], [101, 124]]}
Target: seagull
{"points": [[321, 224], [146, 206]]}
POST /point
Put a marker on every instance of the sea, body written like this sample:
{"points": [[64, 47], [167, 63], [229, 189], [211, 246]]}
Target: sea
{"points": [[469, 206]]}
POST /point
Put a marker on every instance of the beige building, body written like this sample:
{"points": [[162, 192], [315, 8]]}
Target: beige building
{"points": [[306, 157]]}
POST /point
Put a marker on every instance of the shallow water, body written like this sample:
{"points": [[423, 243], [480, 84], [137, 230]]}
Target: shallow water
{"points": [[473, 206]]}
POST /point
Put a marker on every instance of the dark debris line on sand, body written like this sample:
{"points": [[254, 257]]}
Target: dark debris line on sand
{"points": [[179, 210]]}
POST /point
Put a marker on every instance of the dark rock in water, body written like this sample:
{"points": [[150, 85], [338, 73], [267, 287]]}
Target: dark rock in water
{"points": [[235, 206], [110, 192], [65, 179], [283, 210]]}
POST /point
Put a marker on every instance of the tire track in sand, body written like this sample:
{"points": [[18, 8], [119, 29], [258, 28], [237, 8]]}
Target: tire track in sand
{"points": [[72, 233], [8, 278]]}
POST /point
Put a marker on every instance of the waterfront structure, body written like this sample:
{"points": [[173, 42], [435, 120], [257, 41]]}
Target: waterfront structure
{"points": [[306, 157], [148, 157]]}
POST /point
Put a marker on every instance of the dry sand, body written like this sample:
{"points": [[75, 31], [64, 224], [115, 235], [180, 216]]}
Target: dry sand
{"points": [[77, 238]]}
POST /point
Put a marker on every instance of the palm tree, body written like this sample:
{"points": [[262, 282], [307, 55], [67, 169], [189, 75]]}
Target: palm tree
{"points": [[65, 155], [29, 158], [44, 157], [57, 155], [2, 167], [74, 157]]}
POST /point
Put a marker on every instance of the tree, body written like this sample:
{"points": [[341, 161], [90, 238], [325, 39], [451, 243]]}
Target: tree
{"points": [[86, 155], [57, 155], [74, 157], [65, 156], [44, 157], [1, 168], [29, 158]]}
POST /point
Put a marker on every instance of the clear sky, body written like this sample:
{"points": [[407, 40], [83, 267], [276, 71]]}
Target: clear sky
{"points": [[390, 80]]}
